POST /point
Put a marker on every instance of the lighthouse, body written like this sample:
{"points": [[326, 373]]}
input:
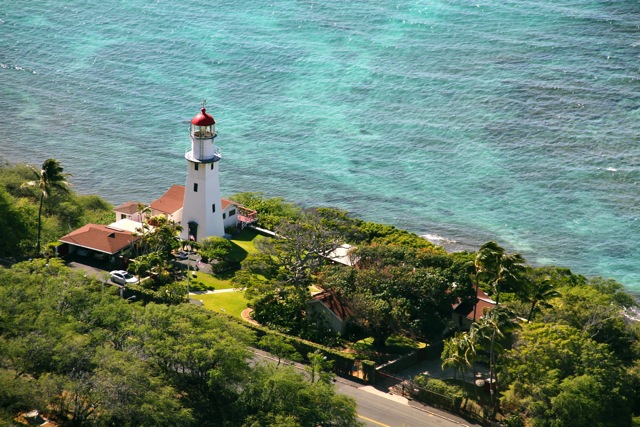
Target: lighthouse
{"points": [[202, 207]]}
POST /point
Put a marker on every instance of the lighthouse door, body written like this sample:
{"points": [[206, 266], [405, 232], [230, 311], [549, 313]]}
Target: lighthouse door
{"points": [[193, 230]]}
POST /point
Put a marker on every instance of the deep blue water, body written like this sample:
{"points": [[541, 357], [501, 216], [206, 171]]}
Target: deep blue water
{"points": [[517, 121]]}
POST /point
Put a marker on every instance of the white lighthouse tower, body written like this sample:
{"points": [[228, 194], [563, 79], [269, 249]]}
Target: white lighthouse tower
{"points": [[202, 208]]}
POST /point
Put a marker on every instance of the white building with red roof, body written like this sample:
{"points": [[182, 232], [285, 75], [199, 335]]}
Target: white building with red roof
{"points": [[170, 204], [197, 206]]}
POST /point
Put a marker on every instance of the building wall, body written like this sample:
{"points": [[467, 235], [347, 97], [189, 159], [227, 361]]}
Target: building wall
{"points": [[202, 192], [317, 308], [230, 220]]}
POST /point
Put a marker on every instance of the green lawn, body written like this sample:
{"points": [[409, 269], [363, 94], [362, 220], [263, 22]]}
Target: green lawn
{"points": [[231, 303], [244, 244], [207, 282], [395, 345]]}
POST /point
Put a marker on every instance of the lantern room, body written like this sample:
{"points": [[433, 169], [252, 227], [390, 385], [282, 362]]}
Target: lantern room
{"points": [[203, 125]]}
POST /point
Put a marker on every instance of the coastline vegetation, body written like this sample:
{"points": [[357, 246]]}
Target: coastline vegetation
{"points": [[558, 347]]}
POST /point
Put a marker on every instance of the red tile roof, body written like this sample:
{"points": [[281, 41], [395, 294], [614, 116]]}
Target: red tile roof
{"points": [[334, 303], [483, 306], [101, 238], [171, 201], [227, 202], [127, 208]]}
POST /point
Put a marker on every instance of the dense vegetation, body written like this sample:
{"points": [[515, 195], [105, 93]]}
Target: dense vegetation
{"points": [[559, 348], [24, 192], [86, 357]]}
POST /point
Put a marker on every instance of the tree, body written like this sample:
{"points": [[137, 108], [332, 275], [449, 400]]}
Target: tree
{"points": [[271, 211], [395, 289], [278, 278], [319, 365], [302, 247], [541, 293], [49, 178], [279, 347], [216, 247], [558, 376], [281, 396], [14, 226], [488, 333], [500, 270], [597, 309], [159, 234], [459, 352]]}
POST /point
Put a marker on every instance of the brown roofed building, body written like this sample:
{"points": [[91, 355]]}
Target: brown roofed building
{"points": [[331, 308], [465, 313], [101, 239], [129, 210], [169, 204]]}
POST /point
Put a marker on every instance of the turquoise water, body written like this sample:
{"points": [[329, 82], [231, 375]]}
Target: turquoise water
{"points": [[464, 121]]}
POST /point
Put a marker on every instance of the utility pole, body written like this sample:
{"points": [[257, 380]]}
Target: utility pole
{"points": [[188, 274]]}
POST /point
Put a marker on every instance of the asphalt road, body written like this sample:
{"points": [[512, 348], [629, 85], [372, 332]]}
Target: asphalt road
{"points": [[379, 409]]}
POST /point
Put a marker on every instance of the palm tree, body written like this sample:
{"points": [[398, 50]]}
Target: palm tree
{"points": [[50, 177], [542, 291], [459, 353], [489, 332], [499, 269]]}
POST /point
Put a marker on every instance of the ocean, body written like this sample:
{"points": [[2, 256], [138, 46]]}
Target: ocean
{"points": [[463, 121]]}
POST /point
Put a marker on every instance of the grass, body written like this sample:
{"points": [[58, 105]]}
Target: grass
{"points": [[207, 282], [244, 244], [232, 303], [395, 346]]}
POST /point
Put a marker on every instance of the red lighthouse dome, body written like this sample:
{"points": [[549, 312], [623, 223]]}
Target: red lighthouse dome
{"points": [[203, 118]]}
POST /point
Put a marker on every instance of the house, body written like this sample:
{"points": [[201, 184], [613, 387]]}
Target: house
{"points": [[329, 307], [342, 255], [99, 241], [465, 313], [130, 210], [169, 204]]}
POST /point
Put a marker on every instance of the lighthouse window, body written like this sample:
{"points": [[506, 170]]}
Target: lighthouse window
{"points": [[195, 186], [213, 207], [195, 166], [212, 165]]}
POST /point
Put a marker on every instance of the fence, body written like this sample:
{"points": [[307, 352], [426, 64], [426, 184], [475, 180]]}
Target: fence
{"points": [[409, 389]]}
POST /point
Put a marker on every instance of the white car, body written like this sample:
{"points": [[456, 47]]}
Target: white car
{"points": [[122, 277]]}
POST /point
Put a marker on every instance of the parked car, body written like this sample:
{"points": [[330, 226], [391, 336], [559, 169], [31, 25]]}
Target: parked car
{"points": [[122, 277]]}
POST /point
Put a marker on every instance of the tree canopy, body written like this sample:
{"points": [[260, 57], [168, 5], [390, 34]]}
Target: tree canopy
{"points": [[83, 356]]}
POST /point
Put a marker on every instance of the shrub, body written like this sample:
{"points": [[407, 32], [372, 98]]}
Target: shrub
{"points": [[215, 247]]}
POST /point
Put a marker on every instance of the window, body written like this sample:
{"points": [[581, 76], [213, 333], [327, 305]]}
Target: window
{"points": [[232, 212], [123, 216], [195, 187], [224, 216], [195, 166], [213, 207], [212, 165]]}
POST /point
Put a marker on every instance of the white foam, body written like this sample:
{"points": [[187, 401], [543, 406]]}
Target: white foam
{"points": [[434, 238]]}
